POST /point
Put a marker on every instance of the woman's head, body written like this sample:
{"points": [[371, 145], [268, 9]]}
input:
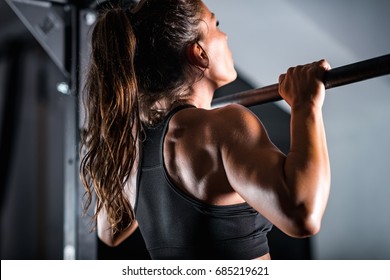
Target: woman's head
{"points": [[167, 32]]}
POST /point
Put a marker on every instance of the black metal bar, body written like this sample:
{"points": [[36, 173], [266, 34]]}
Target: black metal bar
{"points": [[348, 74], [71, 140]]}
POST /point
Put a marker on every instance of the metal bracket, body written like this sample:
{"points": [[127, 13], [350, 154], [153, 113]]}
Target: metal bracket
{"points": [[49, 23]]}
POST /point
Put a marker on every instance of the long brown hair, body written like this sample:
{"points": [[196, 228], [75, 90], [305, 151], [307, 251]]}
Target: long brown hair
{"points": [[138, 58]]}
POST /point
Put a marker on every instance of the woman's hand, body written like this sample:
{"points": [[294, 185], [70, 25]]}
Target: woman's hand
{"points": [[302, 85]]}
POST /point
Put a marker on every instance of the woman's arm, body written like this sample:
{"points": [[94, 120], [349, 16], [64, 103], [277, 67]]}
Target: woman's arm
{"points": [[290, 190], [105, 232]]}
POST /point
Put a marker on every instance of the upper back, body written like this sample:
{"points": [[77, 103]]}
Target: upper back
{"points": [[192, 155]]}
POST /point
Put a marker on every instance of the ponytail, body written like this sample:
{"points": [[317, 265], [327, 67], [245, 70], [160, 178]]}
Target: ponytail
{"points": [[113, 124]]}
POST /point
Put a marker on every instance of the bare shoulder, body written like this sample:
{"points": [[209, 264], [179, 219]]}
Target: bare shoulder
{"points": [[235, 122], [223, 121], [235, 114], [230, 125]]}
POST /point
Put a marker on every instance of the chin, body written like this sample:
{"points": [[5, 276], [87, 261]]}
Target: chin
{"points": [[226, 82], [232, 77]]}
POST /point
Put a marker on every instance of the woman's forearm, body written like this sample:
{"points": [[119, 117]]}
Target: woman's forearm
{"points": [[307, 167]]}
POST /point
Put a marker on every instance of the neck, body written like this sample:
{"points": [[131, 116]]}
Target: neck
{"points": [[202, 94]]}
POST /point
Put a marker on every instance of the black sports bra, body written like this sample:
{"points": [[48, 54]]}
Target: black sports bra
{"points": [[177, 226]]}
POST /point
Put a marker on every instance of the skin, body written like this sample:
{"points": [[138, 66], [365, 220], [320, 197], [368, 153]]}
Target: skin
{"points": [[224, 156]]}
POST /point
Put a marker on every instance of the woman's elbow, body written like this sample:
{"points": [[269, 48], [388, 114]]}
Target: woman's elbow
{"points": [[310, 226], [107, 237], [303, 226], [107, 240], [115, 239]]}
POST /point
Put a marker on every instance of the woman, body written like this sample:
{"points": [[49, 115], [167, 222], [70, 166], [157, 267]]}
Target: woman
{"points": [[199, 183]]}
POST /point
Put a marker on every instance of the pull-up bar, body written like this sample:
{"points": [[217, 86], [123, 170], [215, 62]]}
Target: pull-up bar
{"points": [[335, 77]]}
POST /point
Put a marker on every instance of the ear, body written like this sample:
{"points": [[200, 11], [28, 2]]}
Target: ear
{"points": [[197, 55]]}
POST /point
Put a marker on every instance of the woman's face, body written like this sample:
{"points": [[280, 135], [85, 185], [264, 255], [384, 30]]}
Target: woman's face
{"points": [[214, 42]]}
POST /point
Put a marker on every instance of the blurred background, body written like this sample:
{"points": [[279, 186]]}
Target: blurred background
{"points": [[43, 53]]}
